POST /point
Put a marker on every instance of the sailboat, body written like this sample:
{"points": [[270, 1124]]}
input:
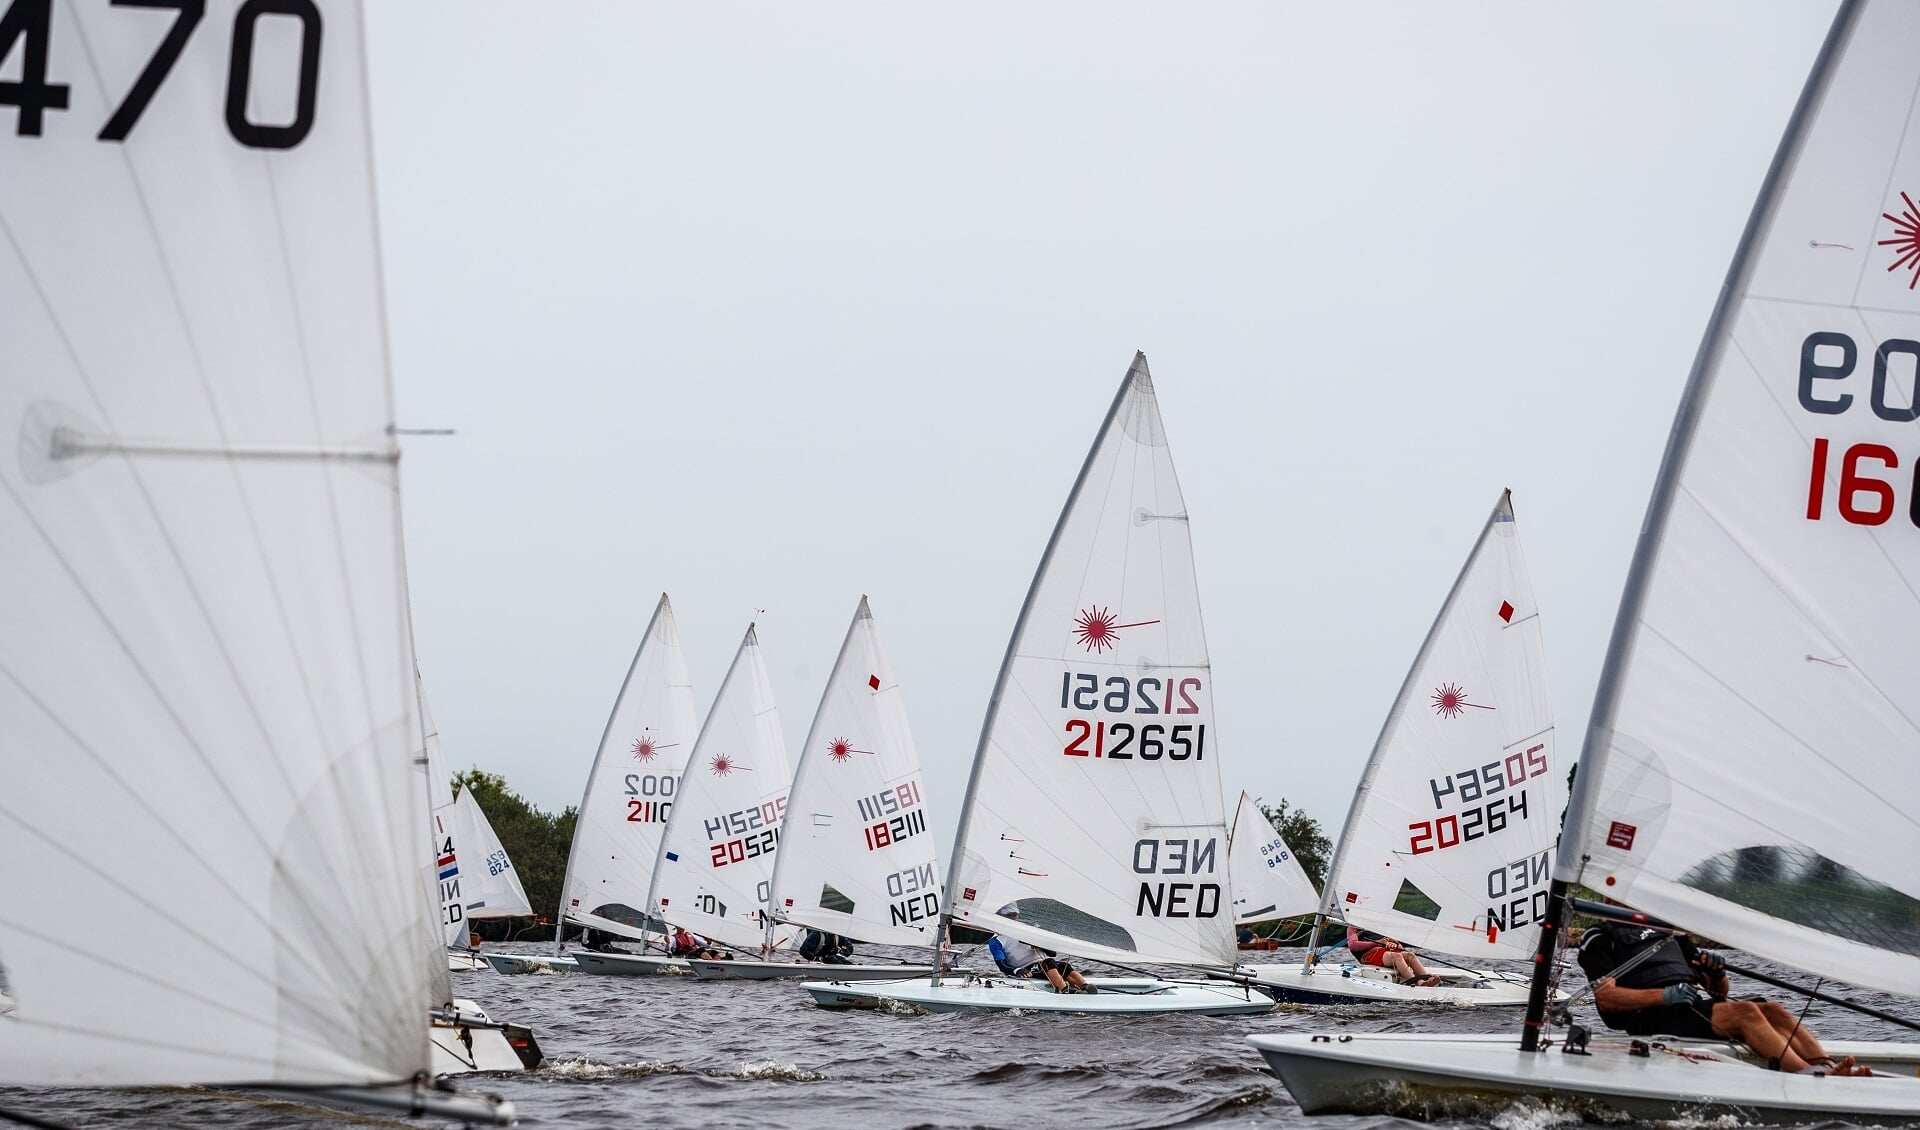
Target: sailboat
{"points": [[715, 869], [1749, 767], [1268, 881], [443, 847], [623, 812], [1447, 842], [858, 861], [491, 885], [1093, 822], [211, 820]]}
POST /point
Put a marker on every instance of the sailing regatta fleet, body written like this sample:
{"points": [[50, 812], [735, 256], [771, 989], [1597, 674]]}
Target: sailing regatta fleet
{"points": [[287, 759]]}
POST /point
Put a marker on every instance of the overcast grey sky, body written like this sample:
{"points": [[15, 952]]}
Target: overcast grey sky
{"points": [[767, 306]]}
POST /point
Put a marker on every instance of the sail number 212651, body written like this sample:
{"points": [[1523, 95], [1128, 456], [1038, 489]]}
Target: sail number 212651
{"points": [[1123, 741]]}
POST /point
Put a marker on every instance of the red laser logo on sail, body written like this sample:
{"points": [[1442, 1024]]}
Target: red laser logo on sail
{"points": [[1451, 699], [646, 747], [1906, 239], [1095, 628], [841, 749], [723, 765]]}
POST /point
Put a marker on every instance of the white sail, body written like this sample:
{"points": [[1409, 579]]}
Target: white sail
{"points": [[1750, 772], [1094, 805], [1268, 882], [857, 858], [1449, 841], [716, 857], [443, 844], [210, 820], [630, 789], [490, 887]]}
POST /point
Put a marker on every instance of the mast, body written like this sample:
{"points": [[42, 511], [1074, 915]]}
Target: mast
{"points": [[1387, 727], [560, 913], [1593, 752], [958, 856]]}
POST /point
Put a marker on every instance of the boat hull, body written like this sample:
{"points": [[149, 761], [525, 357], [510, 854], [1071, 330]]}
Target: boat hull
{"points": [[1467, 1076], [790, 970], [1117, 995], [530, 963], [628, 964], [463, 962], [460, 1049], [1347, 984]]}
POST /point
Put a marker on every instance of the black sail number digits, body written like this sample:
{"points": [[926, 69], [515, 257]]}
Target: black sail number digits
{"points": [[27, 28]]}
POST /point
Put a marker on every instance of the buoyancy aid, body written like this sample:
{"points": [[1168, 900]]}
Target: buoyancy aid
{"points": [[1610, 945], [1012, 954]]}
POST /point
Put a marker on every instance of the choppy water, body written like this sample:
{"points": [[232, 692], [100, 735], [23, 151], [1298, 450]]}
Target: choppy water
{"points": [[665, 1052]]}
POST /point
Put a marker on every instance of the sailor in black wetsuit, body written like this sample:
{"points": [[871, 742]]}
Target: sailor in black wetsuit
{"points": [[1653, 982]]}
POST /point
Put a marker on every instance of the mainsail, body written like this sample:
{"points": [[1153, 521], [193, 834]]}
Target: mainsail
{"points": [[490, 887], [1268, 882], [1094, 806], [631, 787], [857, 858], [210, 820], [1448, 843], [716, 856], [1750, 771]]}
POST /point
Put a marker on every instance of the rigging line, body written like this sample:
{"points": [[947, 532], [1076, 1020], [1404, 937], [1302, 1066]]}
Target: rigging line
{"points": [[1893, 169], [1838, 770]]}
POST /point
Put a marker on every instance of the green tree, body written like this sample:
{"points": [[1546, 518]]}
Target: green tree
{"points": [[1308, 842], [536, 841]]}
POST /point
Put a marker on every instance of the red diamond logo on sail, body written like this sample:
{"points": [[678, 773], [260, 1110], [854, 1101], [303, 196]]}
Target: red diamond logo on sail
{"points": [[1506, 611], [1621, 836], [1906, 239], [873, 681]]}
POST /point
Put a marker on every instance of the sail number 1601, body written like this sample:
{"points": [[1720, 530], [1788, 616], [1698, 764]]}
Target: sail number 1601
{"points": [[1123, 741]]}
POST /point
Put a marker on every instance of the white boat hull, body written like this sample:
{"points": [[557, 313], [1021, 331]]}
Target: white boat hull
{"points": [[789, 970], [1118, 995], [1351, 982], [530, 963], [460, 962], [628, 964], [459, 1049], [1474, 1076]]}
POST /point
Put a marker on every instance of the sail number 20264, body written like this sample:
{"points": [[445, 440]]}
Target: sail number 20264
{"points": [[26, 30]]}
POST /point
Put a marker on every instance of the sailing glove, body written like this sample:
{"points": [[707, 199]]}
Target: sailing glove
{"points": [[1712, 964], [1685, 993]]}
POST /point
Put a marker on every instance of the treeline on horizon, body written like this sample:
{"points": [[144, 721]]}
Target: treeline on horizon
{"points": [[537, 842]]}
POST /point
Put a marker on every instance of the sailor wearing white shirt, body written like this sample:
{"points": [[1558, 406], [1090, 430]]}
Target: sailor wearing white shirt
{"points": [[1018, 959]]}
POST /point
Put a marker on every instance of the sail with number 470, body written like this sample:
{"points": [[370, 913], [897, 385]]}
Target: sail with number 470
{"points": [[211, 819]]}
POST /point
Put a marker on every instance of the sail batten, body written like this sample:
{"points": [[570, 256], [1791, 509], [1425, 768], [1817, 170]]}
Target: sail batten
{"points": [[1748, 752]]}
